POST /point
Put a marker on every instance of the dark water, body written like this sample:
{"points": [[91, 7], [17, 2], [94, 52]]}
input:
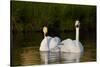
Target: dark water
{"points": [[25, 50]]}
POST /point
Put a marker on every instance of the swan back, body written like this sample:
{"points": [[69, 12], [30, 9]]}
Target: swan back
{"points": [[71, 46], [68, 45]]}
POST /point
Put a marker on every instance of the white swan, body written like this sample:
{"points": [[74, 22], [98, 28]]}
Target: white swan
{"points": [[49, 43], [72, 45]]}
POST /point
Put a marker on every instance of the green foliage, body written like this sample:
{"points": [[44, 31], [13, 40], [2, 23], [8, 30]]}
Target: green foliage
{"points": [[31, 16]]}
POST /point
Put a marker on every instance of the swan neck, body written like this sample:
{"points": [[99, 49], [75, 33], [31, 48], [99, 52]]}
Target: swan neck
{"points": [[44, 35], [77, 34]]}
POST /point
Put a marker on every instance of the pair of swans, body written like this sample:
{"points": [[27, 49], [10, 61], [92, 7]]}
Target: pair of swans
{"points": [[55, 44]]}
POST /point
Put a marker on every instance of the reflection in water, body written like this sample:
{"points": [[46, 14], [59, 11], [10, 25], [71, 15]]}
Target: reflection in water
{"points": [[30, 56], [50, 57], [71, 57], [59, 57]]}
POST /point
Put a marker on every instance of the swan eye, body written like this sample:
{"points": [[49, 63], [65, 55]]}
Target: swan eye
{"points": [[77, 25]]}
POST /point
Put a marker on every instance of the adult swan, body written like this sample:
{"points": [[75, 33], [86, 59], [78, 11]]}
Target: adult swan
{"points": [[49, 43], [70, 45]]}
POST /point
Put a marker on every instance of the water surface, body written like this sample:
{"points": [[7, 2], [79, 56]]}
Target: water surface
{"points": [[25, 51]]}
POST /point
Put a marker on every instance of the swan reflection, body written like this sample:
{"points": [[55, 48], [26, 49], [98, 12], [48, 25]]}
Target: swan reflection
{"points": [[59, 57]]}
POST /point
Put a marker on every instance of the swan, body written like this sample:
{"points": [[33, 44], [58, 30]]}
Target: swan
{"points": [[49, 43], [70, 45]]}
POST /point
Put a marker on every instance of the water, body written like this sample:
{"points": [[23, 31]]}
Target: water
{"points": [[59, 57], [31, 56], [25, 51]]}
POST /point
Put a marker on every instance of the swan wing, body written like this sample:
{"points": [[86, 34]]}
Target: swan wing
{"points": [[79, 46], [67, 45], [54, 42]]}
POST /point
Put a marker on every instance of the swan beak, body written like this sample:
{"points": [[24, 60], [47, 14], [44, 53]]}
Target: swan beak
{"points": [[45, 30], [77, 23]]}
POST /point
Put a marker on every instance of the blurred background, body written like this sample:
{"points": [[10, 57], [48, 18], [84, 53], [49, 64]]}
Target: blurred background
{"points": [[28, 19]]}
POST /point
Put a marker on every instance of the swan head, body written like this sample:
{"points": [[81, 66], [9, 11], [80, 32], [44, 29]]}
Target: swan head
{"points": [[45, 30], [77, 24]]}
